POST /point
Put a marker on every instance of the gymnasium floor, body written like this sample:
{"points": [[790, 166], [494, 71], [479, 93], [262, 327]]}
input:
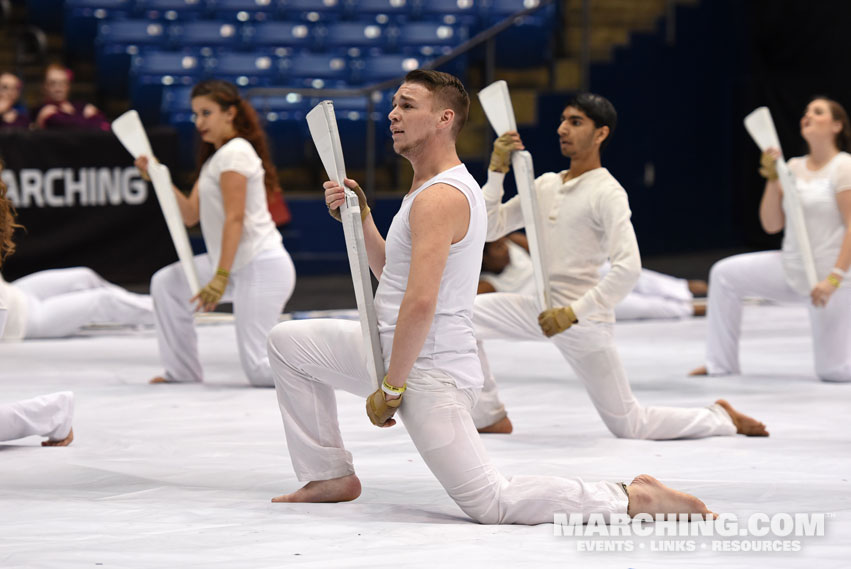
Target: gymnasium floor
{"points": [[181, 476]]}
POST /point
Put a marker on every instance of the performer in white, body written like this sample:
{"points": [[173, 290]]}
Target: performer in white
{"points": [[507, 267], [60, 302], [822, 178], [245, 261], [47, 415], [587, 222], [427, 270]]}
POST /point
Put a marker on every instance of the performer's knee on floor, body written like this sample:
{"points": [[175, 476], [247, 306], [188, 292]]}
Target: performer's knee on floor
{"points": [[841, 374]]}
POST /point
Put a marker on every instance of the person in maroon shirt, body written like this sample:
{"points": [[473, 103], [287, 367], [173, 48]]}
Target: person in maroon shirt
{"points": [[11, 115], [58, 112]]}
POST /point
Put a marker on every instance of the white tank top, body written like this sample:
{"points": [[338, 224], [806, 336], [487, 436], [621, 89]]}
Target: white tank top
{"points": [[450, 345]]}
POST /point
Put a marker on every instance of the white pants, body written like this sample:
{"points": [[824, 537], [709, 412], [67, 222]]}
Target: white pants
{"points": [[761, 275], [46, 416], [312, 358], [656, 295], [259, 291], [61, 301], [590, 350]]}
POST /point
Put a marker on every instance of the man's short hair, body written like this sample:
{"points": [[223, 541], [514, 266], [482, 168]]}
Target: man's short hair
{"points": [[599, 109], [448, 91]]}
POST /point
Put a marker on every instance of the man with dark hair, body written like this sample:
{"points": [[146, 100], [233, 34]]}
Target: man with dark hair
{"points": [[587, 223], [427, 272]]}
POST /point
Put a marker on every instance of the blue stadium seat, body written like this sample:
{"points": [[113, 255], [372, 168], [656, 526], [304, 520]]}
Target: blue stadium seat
{"points": [[353, 38], [117, 42], [81, 22], [177, 112], [212, 35], [286, 128], [246, 10], [528, 42], [387, 66], [428, 38], [352, 116], [283, 38], [385, 11], [153, 70], [318, 71], [246, 69], [464, 12], [315, 10], [172, 10]]}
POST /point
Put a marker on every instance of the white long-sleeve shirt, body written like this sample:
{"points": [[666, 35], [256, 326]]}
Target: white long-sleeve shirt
{"points": [[586, 221]]}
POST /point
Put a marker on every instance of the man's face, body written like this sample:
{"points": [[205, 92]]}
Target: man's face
{"points": [[413, 119], [496, 257], [577, 134], [57, 84], [10, 87]]}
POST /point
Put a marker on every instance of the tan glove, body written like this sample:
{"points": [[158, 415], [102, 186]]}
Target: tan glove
{"points": [[501, 155], [215, 289], [556, 320], [767, 166], [379, 410], [364, 208]]}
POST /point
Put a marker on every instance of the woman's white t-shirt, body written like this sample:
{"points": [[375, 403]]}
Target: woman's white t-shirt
{"points": [[825, 227], [258, 230]]}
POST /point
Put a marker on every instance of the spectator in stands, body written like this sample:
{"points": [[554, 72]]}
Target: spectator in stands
{"points": [[12, 115], [58, 112]]}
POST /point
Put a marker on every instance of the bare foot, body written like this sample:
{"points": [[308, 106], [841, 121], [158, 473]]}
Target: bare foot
{"points": [[343, 489], [698, 309], [501, 427], [649, 496], [698, 288], [63, 443], [159, 379], [699, 371], [744, 425]]}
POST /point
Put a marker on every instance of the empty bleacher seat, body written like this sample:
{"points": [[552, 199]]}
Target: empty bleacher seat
{"points": [[387, 66], [172, 10], [428, 38], [464, 12], [282, 38], [117, 42], [283, 120], [153, 70], [246, 69], [528, 42], [353, 38], [385, 11], [315, 10], [212, 35], [318, 70], [81, 22], [246, 10]]}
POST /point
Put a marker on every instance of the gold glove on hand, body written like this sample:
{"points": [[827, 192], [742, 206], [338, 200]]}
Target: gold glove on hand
{"points": [[215, 289], [768, 168], [364, 208], [501, 155], [556, 320], [378, 408]]}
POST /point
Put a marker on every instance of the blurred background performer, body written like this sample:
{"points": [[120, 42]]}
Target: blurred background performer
{"points": [[822, 177], [47, 415], [245, 261], [507, 267]]}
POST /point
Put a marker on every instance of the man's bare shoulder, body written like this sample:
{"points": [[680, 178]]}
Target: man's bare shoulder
{"points": [[438, 197]]}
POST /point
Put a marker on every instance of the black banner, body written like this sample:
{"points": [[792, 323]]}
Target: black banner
{"points": [[83, 203]]}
